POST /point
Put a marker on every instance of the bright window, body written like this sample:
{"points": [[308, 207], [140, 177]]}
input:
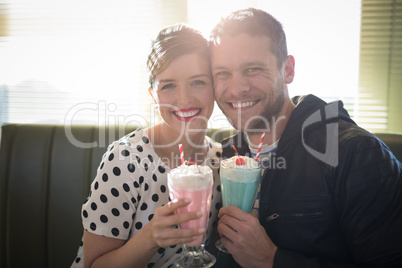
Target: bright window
{"points": [[83, 61], [322, 35]]}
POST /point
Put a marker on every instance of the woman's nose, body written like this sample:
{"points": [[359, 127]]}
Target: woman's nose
{"points": [[184, 96]]}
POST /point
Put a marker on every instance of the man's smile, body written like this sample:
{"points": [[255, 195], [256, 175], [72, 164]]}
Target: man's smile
{"points": [[244, 104]]}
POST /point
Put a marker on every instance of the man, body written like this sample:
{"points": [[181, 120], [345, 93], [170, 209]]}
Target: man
{"points": [[331, 194]]}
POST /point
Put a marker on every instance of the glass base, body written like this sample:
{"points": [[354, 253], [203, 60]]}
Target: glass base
{"points": [[195, 257], [221, 247]]}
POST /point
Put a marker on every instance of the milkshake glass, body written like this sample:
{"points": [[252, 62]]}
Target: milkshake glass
{"points": [[240, 180], [193, 182]]}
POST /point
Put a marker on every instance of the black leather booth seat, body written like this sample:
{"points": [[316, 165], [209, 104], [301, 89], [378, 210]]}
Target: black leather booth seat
{"points": [[393, 141], [45, 174]]}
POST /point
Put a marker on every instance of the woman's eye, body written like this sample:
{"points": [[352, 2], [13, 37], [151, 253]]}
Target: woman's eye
{"points": [[168, 86]]}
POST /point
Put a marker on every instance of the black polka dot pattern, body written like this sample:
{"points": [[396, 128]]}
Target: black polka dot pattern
{"points": [[116, 171], [131, 167], [125, 152], [103, 198], [131, 183], [103, 219]]}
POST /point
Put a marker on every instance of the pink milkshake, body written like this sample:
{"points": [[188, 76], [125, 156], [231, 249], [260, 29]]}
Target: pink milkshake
{"points": [[195, 183]]}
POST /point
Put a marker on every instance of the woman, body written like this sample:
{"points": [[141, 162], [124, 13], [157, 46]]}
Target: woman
{"points": [[126, 220]]}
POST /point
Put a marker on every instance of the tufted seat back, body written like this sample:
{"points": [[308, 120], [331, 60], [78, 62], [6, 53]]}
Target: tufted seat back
{"points": [[45, 176], [394, 142]]}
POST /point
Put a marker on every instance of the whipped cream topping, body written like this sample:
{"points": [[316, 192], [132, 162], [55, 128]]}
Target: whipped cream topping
{"points": [[249, 163], [191, 177], [249, 172]]}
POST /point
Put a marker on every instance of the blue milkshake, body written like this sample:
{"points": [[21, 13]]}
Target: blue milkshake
{"points": [[240, 181]]}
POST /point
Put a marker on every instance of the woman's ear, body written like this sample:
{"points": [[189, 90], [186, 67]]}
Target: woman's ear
{"points": [[152, 94], [289, 69]]}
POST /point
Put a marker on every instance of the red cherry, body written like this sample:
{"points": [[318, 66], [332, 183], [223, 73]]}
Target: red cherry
{"points": [[240, 161]]}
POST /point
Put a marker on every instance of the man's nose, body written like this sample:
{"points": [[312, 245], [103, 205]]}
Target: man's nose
{"points": [[239, 84]]}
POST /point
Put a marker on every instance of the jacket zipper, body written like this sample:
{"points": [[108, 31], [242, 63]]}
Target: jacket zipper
{"points": [[294, 215], [272, 217]]}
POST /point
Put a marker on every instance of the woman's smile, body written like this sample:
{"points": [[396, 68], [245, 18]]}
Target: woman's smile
{"points": [[188, 114]]}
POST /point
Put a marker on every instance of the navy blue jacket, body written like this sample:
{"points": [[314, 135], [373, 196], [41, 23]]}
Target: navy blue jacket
{"points": [[331, 195]]}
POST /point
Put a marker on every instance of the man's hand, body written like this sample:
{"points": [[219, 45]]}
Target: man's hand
{"points": [[244, 237]]}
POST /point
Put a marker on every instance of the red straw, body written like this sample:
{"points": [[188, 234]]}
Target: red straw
{"points": [[193, 163], [239, 161], [259, 146], [181, 153]]}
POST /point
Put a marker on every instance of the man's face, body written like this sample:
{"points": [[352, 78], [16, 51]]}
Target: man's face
{"points": [[249, 87]]}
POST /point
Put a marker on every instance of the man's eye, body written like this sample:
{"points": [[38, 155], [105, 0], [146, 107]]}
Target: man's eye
{"points": [[222, 74], [198, 83], [252, 70]]}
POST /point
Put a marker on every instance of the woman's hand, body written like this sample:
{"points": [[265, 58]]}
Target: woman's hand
{"points": [[103, 251], [162, 229]]}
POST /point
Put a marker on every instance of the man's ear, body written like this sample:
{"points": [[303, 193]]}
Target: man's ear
{"points": [[152, 94], [289, 69]]}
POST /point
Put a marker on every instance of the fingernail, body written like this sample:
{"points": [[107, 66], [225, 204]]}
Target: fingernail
{"points": [[199, 213], [187, 200], [201, 231]]}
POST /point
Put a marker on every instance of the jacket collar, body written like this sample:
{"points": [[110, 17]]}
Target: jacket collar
{"points": [[307, 108]]}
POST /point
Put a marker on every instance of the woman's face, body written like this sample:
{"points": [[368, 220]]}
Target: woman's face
{"points": [[184, 93]]}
